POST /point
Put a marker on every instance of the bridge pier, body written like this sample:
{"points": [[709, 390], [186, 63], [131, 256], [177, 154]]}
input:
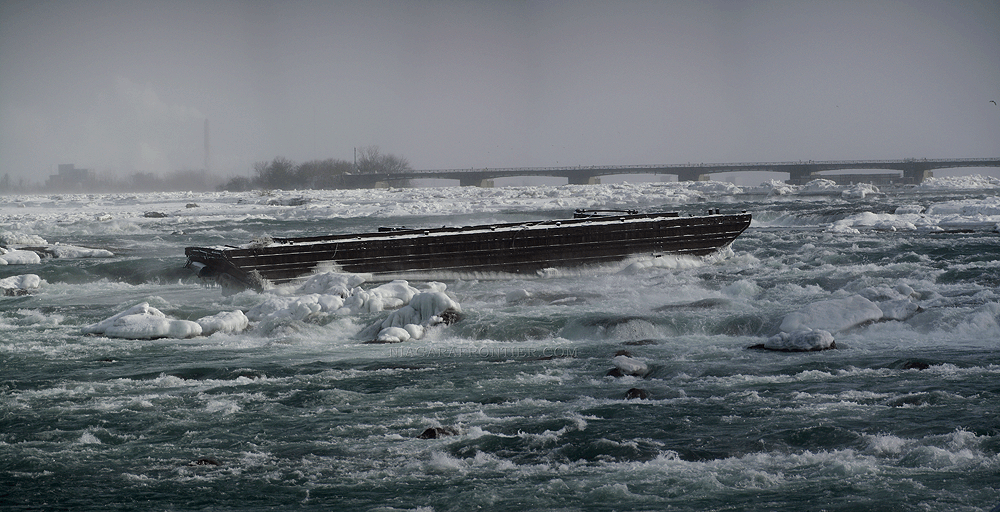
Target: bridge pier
{"points": [[584, 180], [476, 182], [800, 176], [916, 174], [694, 175]]}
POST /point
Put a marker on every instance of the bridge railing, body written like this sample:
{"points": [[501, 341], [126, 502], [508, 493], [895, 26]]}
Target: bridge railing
{"points": [[733, 166]]}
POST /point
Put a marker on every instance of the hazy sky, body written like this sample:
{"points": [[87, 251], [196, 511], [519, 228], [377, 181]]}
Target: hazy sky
{"points": [[127, 85]]}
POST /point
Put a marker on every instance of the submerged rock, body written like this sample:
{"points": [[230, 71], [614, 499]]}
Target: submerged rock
{"points": [[204, 462], [438, 432], [626, 365], [915, 365], [639, 343], [806, 340], [636, 394], [832, 315]]}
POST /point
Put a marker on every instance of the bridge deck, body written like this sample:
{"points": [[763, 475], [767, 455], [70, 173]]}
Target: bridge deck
{"points": [[913, 170]]}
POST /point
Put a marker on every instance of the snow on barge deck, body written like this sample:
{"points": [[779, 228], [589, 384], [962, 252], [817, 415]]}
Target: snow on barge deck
{"points": [[590, 237]]}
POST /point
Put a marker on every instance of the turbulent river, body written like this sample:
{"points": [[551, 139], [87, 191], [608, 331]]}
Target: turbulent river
{"points": [[512, 407]]}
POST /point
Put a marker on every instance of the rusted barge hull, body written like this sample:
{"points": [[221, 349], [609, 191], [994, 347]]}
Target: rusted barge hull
{"points": [[522, 247]]}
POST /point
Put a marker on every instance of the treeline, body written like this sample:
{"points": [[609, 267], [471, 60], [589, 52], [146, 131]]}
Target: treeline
{"points": [[108, 182], [279, 173], [282, 173]]}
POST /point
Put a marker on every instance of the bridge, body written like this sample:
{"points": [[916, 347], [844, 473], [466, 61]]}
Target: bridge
{"points": [[912, 171]]}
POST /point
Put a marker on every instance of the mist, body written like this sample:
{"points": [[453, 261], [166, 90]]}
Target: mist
{"points": [[126, 87]]}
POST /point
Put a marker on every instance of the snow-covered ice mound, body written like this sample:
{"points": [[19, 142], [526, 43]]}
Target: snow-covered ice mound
{"points": [[19, 285], [426, 309], [143, 322], [806, 340], [226, 321], [19, 257]]}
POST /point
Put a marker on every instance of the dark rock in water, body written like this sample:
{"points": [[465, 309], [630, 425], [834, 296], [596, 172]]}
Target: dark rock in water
{"points": [[15, 292], [639, 343], [205, 462], [495, 400], [379, 342], [292, 201], [437, 432], [637, 393], [550, 358], [191, 205], [915, 365], [623, 353], [761, 346], [614, 372], [155, 215], [698, 304], [450, 316]]}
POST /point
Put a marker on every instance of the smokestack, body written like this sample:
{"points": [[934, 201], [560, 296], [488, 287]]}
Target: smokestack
{"points": [[206, 145]]}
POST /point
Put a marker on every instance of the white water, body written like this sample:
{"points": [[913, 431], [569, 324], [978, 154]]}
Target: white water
{"points": [[282, 391]]}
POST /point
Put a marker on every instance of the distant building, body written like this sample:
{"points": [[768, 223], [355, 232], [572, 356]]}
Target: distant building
{"points": [[69, 178]]}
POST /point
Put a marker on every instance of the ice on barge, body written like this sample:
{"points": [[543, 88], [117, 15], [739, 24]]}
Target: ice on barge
{"points": [[590, 237]]}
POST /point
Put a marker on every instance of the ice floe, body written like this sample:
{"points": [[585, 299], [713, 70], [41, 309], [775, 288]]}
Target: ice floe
{"points": [[226, 321], [629, 365], [18, 257], [143, 321], [413, 311], [805, 340], [19, 285]]}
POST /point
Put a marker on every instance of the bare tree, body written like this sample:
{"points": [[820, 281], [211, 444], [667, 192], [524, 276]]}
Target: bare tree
{"points": [[322, 174], [372, 161], [278, 173]]}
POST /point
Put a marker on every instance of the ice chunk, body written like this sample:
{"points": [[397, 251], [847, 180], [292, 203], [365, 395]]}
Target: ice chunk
{"points": [[20, 257], [329, 283], [387, 296], [72, 251], [424, 310], [227, 321], [7, 238], [859, 191], [143, 322], [806, 340], [630, 365], [393, 335], [19, 285]]}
